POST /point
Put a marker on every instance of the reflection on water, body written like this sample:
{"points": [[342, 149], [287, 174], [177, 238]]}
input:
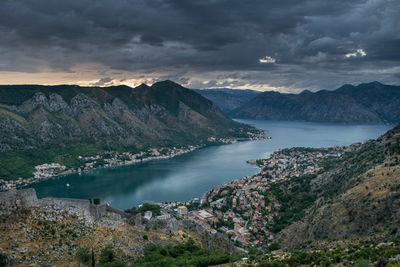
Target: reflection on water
{"points": [[191, 175]]}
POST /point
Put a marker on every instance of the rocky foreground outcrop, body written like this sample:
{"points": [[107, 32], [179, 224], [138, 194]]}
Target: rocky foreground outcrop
{"points": [[52, 231]]}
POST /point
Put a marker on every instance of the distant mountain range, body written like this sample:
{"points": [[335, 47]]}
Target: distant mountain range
{"points": [[228, 99], [36, 116], [366, 103]]}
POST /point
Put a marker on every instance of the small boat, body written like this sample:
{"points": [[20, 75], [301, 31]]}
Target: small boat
{"points": [[67, 185]]}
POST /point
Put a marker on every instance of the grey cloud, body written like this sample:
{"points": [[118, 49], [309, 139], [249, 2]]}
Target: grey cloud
{"points": [[103, 81], [307, 37]]}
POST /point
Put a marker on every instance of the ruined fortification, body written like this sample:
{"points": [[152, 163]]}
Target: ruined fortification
{"points": [[13, 200]]}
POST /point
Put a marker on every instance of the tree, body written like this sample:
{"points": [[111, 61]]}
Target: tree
{"points": [[107, 255], [93, 260], [84, 255], [3, 259], [96, 201]]}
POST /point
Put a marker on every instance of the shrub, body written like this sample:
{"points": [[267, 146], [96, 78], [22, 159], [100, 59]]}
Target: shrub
{"points": [[274, 246], [337, 257], [107, 255], [362, 263], [83, 255], [183, 254], [114, 264]]}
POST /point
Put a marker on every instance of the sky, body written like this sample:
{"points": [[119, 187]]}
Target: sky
{"points": [[283, 45]]}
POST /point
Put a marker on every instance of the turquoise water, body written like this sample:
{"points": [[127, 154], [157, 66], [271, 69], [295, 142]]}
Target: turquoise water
{"points": [[191, 175]]}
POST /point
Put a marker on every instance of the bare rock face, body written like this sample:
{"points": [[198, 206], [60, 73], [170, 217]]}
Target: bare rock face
{"points": [[13, 134], [54, 103], [82, 102], [29, 105], [48, 131], [57, 103], [116, 108]]}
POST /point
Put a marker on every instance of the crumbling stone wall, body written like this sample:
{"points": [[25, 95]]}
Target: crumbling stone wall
{"points": [[26, 198], [73, 207], [17, 199]]}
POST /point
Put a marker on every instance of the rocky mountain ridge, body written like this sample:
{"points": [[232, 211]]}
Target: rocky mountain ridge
{"points": [[165, 113], [63, 124], [372, 103]]}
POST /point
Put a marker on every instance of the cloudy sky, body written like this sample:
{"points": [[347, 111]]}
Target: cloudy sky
{"points": [[285, 45]]}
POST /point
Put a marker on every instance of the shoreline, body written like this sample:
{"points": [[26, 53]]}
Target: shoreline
{"points": [[238, 205], [119, 164], [122, 165], [116, 162]]}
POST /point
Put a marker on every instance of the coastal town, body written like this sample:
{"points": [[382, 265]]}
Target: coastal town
{"points": [[108, 159], [244, 209], [114, 159]]}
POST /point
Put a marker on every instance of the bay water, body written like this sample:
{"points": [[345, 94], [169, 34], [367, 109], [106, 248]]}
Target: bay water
{"points": [[190, 175]]}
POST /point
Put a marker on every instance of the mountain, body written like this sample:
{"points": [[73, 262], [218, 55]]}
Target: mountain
{"points": [[34, 116], [357, 196], [228, 99], [67, 123], [366, 103]]}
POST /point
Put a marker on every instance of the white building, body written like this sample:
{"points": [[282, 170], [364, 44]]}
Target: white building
{"points": [[148, 214], [182, 210]]}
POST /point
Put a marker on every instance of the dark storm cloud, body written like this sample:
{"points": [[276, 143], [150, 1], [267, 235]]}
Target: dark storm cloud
{"points": [[303, 43]]}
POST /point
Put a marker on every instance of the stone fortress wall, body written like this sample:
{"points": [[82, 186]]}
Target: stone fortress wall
{"points": [[12, 200]]}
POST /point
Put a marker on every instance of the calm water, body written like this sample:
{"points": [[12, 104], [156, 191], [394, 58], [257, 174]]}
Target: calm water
{"points": [[191, 175]]}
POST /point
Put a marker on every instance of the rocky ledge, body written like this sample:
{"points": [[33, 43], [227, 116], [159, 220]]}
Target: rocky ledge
{"points": [[52, 231]]}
